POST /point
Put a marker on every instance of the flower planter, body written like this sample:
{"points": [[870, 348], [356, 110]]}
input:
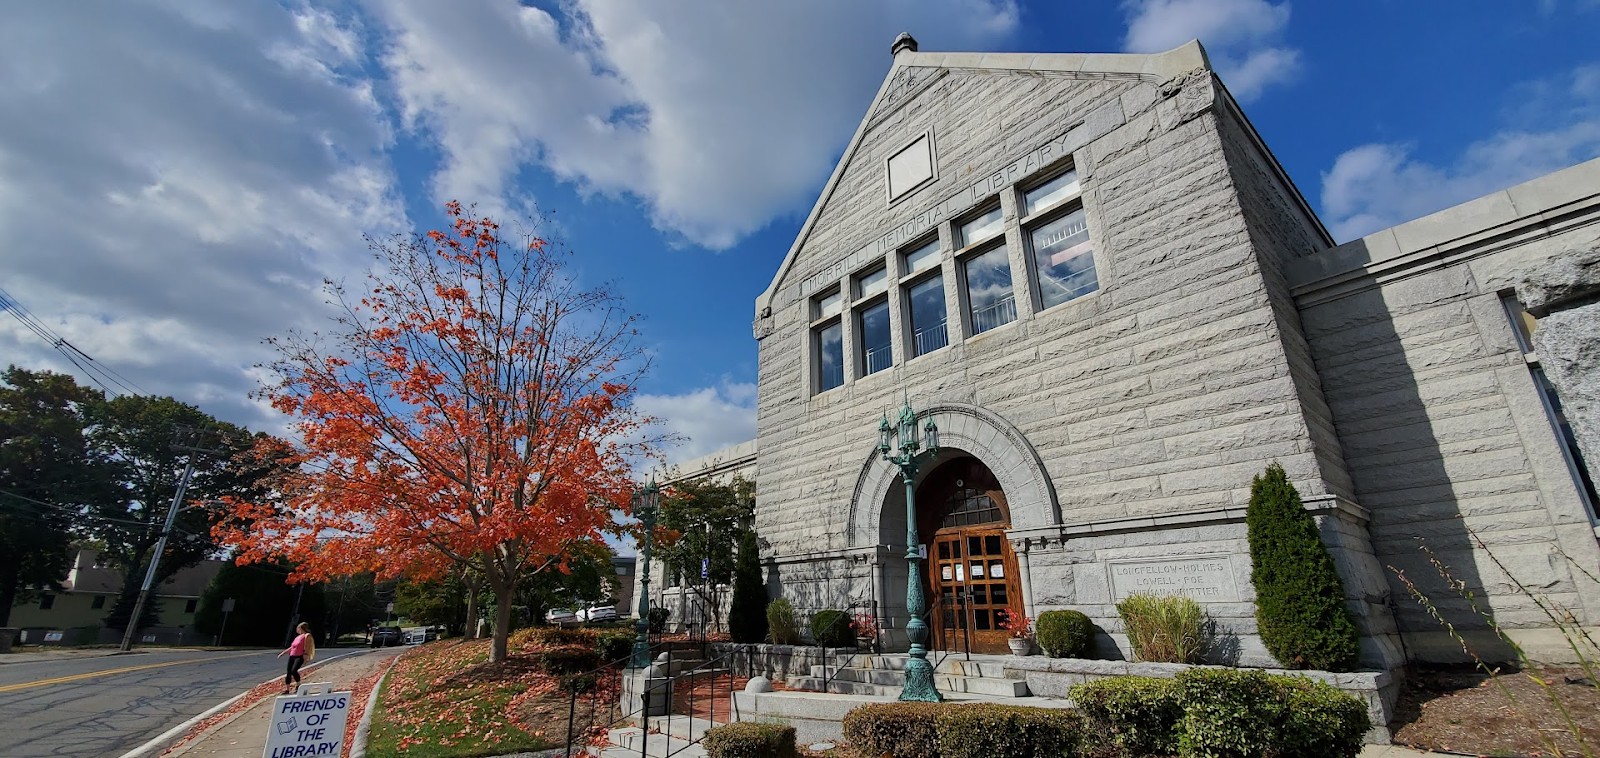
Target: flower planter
{"points": [[1020, 646]]}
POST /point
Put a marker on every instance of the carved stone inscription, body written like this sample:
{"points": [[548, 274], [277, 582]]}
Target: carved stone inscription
{"points": [[1206, 578]]}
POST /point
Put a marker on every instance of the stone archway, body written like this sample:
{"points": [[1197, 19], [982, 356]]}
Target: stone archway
{"points": [[973, 431]]}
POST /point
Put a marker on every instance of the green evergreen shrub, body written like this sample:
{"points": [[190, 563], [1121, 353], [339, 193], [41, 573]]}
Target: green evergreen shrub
{"points": [[832, 629], [747, 615], [1230, 713], [985, 730], [568, 659], [1137, 715], [749, 739], [901, 730], [615, 646], [783, 625], [555, 636], [1064, 634], [1165, 628], [657, 620], [1300, 606]]}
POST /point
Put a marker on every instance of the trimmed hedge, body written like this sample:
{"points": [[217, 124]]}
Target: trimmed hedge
{"points": [[615, 646], [1138, 714], [556, 636], [1300, 603], [1223, 713], [901, 730], [568, 659], [832, 629], [1064, 634], [985, 730], [1232, 713], [748, 739]]}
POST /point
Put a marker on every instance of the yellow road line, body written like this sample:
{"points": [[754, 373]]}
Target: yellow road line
{"points": [[109, 672]]}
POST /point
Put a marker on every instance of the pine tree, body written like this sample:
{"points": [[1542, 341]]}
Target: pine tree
{"points": [[1300, 605], [747, 617]]}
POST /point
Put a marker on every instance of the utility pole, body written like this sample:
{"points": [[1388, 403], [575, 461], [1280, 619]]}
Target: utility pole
{"points": [[185, 440]]}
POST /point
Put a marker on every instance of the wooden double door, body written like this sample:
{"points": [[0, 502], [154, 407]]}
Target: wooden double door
{"points": [[973, 574]]}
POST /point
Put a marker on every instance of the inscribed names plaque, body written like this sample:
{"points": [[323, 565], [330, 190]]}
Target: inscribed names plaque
{"points": [[1206, 578]]}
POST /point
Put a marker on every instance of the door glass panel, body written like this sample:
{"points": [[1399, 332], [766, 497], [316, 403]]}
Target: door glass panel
{"points": [[997, 569], [974, 546], [991, 545], [944, 572], [998, 594], [944, 550], [961, 574], [977, 569], [980, 593], [980, 619]]}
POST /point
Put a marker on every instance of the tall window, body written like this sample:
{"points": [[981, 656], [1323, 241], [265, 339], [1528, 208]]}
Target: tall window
{"points": [[1524, 324], [876, 353], [828, 340], [989, 299], [928, 332], [1063, 259]]}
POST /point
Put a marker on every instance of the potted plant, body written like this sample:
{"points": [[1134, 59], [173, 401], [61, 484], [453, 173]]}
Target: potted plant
{"points": [[865, 628], [1021, 629]]}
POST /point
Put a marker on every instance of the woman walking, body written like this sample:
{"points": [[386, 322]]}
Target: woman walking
{"points": [[301, 650]]}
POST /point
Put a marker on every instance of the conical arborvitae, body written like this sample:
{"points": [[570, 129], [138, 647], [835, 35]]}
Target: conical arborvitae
{"points": [[747, 616], [1300, 604]]}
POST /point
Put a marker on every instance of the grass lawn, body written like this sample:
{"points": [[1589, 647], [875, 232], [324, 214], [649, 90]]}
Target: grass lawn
{"points": [[445, 699]]}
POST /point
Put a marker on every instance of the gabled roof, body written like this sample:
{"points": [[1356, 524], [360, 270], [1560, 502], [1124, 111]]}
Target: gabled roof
{"points": [[1154, 67]]}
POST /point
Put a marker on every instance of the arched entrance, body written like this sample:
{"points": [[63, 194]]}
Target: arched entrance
{"points": [[972, 572]]}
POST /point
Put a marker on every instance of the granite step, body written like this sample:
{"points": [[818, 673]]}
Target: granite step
{"points": [[629, 740]]}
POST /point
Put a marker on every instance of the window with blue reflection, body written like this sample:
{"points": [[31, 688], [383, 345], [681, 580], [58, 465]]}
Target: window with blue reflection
{"points": [[876, 353], [1063, 259], [830, 356], [928, 332], [989, 299]]}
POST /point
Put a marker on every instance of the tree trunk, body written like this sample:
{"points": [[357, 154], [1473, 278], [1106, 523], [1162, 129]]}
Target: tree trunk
{"points": [[9, 572], [472, 612], [502, 623]]}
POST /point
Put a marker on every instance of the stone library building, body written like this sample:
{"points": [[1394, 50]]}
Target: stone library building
{"points": [[1094, 277]]}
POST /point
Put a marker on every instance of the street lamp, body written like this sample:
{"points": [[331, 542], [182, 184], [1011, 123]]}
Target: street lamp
{"points": [[645, 502], [919, 673]]}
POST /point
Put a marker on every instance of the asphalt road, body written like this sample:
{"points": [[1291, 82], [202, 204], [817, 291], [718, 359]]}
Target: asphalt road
{"points": [[105, 706]]}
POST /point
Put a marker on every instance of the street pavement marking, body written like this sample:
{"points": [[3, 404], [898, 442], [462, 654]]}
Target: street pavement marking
{"points": [[109, 672]]}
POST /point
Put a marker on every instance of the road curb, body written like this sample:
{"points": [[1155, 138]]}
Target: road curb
{"points": [[154, 745], [358, 743]]}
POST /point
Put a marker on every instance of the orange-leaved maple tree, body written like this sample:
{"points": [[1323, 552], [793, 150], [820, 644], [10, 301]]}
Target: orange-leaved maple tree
{"points": [[471, 412]]}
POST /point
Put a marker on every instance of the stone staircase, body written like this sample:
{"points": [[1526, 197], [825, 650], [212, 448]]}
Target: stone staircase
{"points": [[982, 678], [675, 736]]}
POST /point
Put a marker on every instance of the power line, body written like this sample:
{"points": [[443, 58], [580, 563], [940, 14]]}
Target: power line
{"points": [[97, 372]]}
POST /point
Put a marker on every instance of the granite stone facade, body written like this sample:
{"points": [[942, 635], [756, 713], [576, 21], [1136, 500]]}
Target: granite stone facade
{"points": [[1226, 331]]}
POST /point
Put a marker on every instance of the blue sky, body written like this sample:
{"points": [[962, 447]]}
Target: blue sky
{"points": [[176, 178]]}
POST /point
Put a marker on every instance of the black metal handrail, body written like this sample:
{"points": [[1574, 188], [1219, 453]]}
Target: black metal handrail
{"points": [[854, 604]]}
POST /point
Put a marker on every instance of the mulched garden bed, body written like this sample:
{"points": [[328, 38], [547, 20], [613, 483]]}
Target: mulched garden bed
{"points": [[1463, 710]]}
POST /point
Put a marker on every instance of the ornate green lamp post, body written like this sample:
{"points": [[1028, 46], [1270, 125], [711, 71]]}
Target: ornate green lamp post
{"points": [[919, 673], [645, 502]]}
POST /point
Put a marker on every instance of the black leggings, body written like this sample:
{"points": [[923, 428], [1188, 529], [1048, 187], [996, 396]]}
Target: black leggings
{"points": [[293, 675]]}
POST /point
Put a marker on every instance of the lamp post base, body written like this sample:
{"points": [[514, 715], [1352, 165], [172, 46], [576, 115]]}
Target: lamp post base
{"points": [[919, 682]]}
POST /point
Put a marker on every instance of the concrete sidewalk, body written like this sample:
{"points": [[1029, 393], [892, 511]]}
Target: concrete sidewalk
{"points": [[244, 734]]}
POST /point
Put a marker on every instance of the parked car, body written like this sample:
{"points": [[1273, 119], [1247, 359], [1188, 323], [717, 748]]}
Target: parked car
{"points": [[386, 636], [599, 613], [561, 616]]}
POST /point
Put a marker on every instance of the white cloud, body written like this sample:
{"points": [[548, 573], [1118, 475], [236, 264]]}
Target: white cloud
{"points": [[1241, 36], [709, 419], [175, 181], [1555, 124], [716, 116]]}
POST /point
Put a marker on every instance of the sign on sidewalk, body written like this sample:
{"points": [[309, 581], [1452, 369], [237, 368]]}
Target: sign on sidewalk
{"points": [[308, 723]]}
